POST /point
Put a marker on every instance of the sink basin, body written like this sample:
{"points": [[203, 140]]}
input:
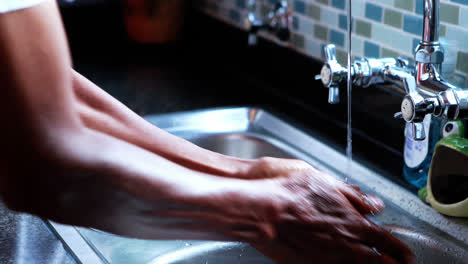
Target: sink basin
{"points": [[252, 133]]}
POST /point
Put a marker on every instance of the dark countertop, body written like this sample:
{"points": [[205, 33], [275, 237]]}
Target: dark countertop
{"points": [[206, 70]]}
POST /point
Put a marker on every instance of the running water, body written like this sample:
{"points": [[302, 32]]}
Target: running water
{"points": [[349, 146]]}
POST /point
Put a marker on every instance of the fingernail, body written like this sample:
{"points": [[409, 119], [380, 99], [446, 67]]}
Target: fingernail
{"points": [[376, 203]]}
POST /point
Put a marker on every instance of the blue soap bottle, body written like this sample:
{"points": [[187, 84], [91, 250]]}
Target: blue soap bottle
{"points": [[418, 154]]}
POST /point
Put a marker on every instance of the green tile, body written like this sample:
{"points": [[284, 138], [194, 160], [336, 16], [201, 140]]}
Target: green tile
{"points": [[298, 41], [389, 53], [405, 4], [363, 28], [393, 18], [442, 30], [313, 11], [342, 56], [321, 32], [449, 13], [462, 62], [324, 2]]}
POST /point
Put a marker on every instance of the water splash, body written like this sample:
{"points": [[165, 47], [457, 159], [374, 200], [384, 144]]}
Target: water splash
{"points": [[349, 138]]}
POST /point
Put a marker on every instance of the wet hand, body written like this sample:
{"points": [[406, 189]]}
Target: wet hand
{"points": [[321, 219]]}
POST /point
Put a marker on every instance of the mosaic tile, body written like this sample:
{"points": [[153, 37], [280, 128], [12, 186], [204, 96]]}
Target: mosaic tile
{"points": [[463, 2], [343, 21], [341, 4], [300, 7], [342, 56], [393, 18], [405, 4], [462, 64], [323, 2], [374, 12], [371, 50], [464, 17], [321, 32], [330, 17], [449, 13], [413, 24], [363, 28], [337, 38], [313, 11], [298, 40], [388, 53], [442, 30], [312, 46]]}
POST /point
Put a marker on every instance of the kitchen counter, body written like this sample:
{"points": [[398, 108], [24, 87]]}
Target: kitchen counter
{"points": [[203, 71]]}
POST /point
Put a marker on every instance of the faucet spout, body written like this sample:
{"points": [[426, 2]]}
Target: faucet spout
{"points": [[430, 54], [431, 22]]}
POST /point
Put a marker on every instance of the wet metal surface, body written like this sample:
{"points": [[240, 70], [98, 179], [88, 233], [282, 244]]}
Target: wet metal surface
{"points": [[26, 239]]}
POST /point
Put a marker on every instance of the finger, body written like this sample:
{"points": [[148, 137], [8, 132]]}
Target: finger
{"points": [[364, 203], [381, 239]]}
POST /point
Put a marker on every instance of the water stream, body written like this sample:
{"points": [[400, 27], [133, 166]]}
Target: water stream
{"points": [[349, 144]]}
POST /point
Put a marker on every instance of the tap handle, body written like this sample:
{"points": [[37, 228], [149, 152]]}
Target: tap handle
{"points": [[398, 115], [334, 95], [419, 132], [332, 74], [414, 109], [330, 52]]}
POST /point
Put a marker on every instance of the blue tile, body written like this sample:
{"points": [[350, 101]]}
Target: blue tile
{"points": [[371, 50], [240, 3], [337, 38], [295, 23], [413, 24], [415, 43], [234, 15], [300, 7], [374, 12], [341, 4], [343, 21], [463, 2], [419, 7]]}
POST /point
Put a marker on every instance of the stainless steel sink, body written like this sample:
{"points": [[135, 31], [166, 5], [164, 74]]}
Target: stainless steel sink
{"points": [[251, 133]]}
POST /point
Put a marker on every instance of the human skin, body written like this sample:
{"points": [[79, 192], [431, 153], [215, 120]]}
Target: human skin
{"points": [[73, 154]]}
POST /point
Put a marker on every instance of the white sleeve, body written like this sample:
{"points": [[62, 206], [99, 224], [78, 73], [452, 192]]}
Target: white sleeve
{"points": [[12, 5]]}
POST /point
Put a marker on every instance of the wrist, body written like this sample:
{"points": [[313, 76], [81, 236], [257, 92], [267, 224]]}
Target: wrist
{"points": [[242, 210]]}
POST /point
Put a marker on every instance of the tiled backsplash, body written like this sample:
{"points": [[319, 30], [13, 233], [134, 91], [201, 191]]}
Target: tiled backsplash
{"points": [[382, 28]]}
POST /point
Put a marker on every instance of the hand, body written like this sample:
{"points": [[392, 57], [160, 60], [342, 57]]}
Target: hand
{"points": [[319, 219]]}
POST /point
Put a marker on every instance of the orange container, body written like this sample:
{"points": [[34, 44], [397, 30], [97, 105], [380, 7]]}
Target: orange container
{"points": [[154, 21]]}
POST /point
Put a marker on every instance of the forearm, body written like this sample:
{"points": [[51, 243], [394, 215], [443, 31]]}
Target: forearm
{"points": [[121, 188], [100, 111]]}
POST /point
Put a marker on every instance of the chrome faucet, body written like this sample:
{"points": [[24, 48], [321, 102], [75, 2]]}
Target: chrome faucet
{"points": [[426, 92], [278, 21]]}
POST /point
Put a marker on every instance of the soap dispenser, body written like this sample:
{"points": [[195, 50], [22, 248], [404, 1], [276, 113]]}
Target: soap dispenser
{"points": [[418, 154]]}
